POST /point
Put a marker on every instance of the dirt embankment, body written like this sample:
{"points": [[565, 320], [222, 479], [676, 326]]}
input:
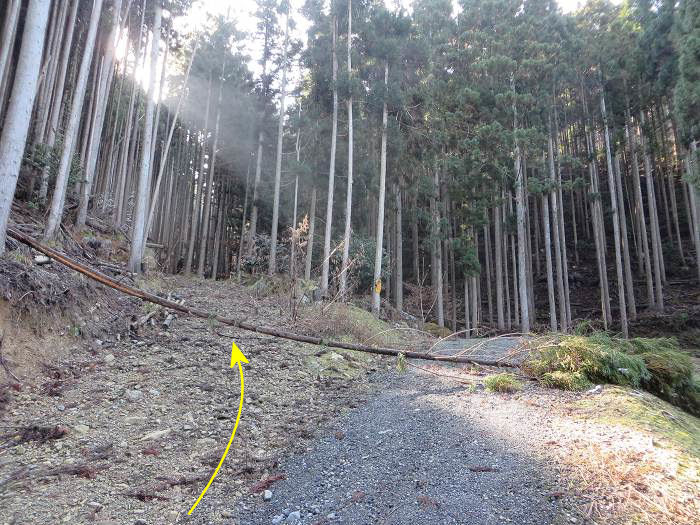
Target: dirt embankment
{"points": [[122, 420]]}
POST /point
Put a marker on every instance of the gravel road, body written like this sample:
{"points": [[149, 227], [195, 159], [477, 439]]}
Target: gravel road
{"points": [[416, 453]]}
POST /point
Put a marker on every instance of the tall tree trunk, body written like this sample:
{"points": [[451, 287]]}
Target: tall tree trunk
{"points": [[498, 248], [639, 209], [310, 242], [105, 80], [520, 220], [467, 324], [487, 260], [138, 239], [657, 254], [548, 260], [616, 222], [325, 265], [168, 140], [348, 199], [71, 131], [414, 238], [629, 282], [261, 139], [129, 142], [272, 268], [199, 187], [399, 249], [377, 288], [554, 199], [241, 241], [437, 248], [691, 164], [256, 183], [218, 231], [19, 112], [209, 190], [9, 32]]}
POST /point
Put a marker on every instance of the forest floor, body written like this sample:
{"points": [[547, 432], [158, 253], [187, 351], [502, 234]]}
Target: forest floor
{"points": [[122, 421]]}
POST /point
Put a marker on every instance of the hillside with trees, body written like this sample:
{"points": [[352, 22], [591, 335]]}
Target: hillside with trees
{"points": [[463, 169], [503, 155]]}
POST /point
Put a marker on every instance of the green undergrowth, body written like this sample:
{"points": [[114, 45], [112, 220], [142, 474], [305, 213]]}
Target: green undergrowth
{"points": [[502, 383], [658, 365]]}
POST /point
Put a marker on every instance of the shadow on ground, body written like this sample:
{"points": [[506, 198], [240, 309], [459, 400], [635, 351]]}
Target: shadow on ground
{"points": [[411, 455]]}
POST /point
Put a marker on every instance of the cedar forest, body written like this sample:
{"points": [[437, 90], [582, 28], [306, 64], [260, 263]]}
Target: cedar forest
{"points": [[490, 156]]}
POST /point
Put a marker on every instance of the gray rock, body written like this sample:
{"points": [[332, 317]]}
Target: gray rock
{"points": [[157, 434], [267, 495], [294, 517], [278, 519], [109, 358], [595, 390], [133, 395], [81, 429]]}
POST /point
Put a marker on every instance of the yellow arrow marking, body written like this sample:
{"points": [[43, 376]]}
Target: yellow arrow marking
{"points": [[236, 358]]}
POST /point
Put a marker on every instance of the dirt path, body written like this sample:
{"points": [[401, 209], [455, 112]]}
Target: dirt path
{"points": [[422, 450], [128, 429]]}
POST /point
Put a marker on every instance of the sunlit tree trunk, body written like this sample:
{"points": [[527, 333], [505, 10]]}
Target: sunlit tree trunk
{"points": [[376, 289], [19, 112], [71, 131], [138, 239], [559, 263], [348, 200], [498, 249], [168, 140], [325, 264]]}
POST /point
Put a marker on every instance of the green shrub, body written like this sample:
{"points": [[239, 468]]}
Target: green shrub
{"points": [[655, 364], [502, 383], [597, 357], [670, 371], [575, 381]]}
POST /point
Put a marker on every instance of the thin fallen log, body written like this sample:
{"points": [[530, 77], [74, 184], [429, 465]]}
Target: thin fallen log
{"points": [[231, 321]]}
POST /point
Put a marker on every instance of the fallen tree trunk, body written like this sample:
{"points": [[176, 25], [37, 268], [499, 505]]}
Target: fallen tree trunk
{"points": [[237, 323]]}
